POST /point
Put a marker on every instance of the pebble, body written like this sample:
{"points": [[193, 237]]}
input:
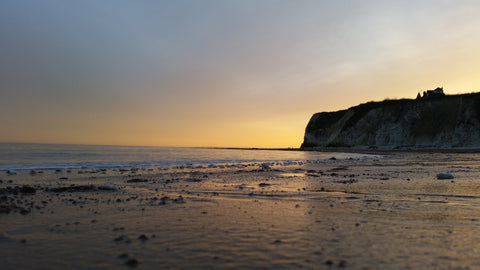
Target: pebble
{"points": [[132, 262], [442, 176], [120, 238], [265, 166], [4, 236], [143, 237], [73, 188], [137, 180], [108, 187]]}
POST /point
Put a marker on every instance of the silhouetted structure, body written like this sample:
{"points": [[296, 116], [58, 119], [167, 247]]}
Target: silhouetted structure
{"points": [[438, 92]]}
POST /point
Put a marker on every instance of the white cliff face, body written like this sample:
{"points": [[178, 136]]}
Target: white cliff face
{"points": [[446, 122]]}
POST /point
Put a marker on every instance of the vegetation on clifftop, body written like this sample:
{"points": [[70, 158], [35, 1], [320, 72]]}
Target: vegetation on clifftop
{"points": [[437, 121]]}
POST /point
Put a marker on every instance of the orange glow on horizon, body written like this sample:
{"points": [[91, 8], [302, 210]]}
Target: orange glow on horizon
{"points": [[231, 74]]}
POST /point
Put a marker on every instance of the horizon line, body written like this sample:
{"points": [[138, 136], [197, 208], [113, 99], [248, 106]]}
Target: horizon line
{"points": [[164, 146]]}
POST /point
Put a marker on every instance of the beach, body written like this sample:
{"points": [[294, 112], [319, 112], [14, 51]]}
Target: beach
{"points": [[380, 212]]}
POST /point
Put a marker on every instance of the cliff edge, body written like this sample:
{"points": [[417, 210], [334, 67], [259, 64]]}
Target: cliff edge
{"points": [[432, 121]]}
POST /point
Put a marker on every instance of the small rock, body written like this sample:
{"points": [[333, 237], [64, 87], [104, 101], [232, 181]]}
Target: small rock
{"points": [[81, 188], [27, 190], [442, 176], [108, 187], [265, 167], [123, 256], [164, 200], [132, 262], [179, 200], [137, 180], [4, 236], [191, 180], [120, 238], [143, 237]]}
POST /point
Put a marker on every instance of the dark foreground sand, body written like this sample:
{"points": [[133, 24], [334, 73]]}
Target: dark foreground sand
{"points": [[378, 213]]}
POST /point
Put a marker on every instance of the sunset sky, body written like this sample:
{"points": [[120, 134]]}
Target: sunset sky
{"points": [[219, 72]]}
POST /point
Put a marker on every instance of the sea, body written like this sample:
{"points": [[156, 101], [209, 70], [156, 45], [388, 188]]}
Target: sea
{"points": [[32, 156]]}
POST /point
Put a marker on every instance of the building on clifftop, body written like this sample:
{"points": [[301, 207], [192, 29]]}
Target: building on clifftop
{"points": [[438, 92]]}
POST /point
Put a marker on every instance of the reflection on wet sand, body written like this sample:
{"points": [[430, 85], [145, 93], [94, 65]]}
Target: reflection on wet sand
{"points": [[381, 213]]}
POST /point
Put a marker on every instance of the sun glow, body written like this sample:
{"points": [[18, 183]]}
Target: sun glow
{"points": [[228, 74]]}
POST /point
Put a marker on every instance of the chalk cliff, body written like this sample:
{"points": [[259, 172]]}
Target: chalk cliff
{"points": [[451, 121]]}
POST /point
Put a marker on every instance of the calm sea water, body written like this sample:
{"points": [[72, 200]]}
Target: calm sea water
{"points": [[22, 156]]}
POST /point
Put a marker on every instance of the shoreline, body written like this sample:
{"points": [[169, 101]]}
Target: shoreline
{"points": [[360, 150]]}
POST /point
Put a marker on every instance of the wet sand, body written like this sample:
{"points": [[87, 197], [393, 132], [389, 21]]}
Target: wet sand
{"points": [[376, 213]]}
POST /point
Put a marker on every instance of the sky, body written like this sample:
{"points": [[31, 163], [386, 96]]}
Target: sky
{"points": [[220, 73]]}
